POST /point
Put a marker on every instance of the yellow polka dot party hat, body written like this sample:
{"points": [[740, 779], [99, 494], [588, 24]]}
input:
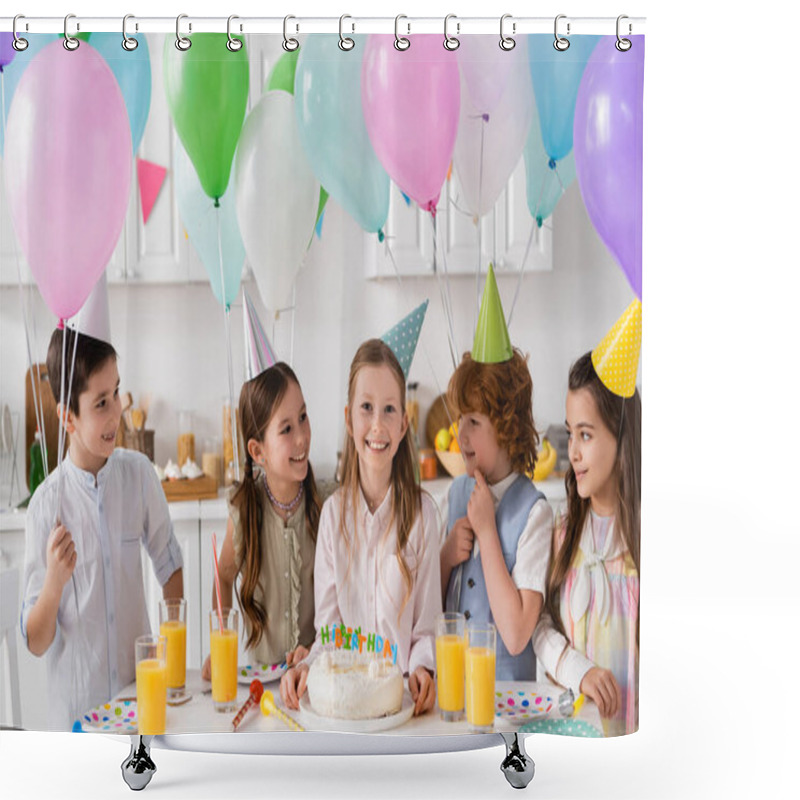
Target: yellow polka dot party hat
{"points": [[616, 358]]}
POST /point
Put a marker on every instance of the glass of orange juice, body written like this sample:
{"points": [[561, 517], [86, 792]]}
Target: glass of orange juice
{"points": [[151, 684], [479, 665], [450, 646], [172, 626], [224, 654]]}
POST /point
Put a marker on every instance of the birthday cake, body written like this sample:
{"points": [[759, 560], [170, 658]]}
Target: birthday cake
{"points": [[353, 685]]}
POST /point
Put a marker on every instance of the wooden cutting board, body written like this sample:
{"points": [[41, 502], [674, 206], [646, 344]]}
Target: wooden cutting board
{"points": [[41, 388], [202, 488]]}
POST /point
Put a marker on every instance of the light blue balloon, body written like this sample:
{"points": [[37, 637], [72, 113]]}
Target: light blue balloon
{"points": [[556, 77], [327, 90], [131, 68], [545, 180], [12, 72], [207, 225]]}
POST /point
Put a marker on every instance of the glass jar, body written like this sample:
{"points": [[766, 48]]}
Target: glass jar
{"points": [[185, 436], [412, 409]]}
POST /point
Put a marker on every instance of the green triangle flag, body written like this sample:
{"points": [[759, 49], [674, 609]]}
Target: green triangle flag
{"points": [[403, 337], [491, 345]]}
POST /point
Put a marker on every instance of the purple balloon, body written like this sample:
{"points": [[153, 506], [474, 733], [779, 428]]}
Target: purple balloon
{"points": [[7, 51], [607, 136]]}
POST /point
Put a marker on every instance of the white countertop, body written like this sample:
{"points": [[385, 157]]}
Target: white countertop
{"points": [[14, 519]]}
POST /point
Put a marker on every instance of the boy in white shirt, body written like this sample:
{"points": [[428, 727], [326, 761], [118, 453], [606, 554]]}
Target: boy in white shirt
{"points": [[84, 602]]}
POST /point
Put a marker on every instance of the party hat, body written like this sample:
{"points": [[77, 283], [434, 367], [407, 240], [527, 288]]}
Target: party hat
{"points": [[616, 358], [491, 345], [404, 336], [93, 320], [259, 354]]}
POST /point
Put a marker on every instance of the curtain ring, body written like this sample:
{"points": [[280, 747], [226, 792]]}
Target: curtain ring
{"points": [[289, 44], [561, 43], [182, 42], [451, 42], [400, 42], [70, 42], [345, 42], [507, 42], [128, 42], [234, 45], [623, 45], [19, 44]]}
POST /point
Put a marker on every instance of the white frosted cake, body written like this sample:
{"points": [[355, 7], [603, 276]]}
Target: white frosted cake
{"points": [[350, 685]]}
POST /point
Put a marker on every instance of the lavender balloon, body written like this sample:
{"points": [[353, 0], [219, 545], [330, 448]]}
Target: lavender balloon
{"points": [[7, 51], [607, 137]]}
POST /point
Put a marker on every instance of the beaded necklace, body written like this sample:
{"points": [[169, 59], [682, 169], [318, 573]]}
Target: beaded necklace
{"points": [[287, 507]]}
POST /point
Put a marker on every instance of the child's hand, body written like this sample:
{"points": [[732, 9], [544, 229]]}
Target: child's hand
{"points": [[423, 690], [206, 672], [458, 545], [293, 684], [296, 656], [601, 686], [61, 556], [480, 509]]}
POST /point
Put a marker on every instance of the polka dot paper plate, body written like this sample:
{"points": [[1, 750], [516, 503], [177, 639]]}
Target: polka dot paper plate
{"points": [[113, 717], [264, 672], [517, 706]]}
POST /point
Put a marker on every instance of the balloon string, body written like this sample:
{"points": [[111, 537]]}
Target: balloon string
{"points": [[480, 232], [227, 315], [64, 412], [448, 312], [294, 314], [25, 307], [534, 227], [409, 300]]}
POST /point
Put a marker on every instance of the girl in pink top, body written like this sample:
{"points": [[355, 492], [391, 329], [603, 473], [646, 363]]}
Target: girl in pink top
{"points": [[377, 559]]}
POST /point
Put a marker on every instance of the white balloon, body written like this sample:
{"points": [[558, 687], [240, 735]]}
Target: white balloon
{"points": [[276, 196], [485, 68], [487, 151]]}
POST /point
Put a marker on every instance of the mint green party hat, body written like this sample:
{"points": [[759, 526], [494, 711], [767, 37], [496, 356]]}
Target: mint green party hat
{"points": [[491, 345], [403, 337]]}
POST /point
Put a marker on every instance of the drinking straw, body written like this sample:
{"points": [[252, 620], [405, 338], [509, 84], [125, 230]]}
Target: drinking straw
{"points": [[216, 580]]}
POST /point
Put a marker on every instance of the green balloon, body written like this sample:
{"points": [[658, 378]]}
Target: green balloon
{"points": [[323, 198], [84, 37], [281, 76], [206, 88]]}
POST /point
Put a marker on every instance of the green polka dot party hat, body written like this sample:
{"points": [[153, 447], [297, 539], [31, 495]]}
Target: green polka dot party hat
{"points": [[403, 337]]}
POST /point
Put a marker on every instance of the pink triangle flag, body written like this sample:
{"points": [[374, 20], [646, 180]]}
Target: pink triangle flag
{"points": [[151, 176]]}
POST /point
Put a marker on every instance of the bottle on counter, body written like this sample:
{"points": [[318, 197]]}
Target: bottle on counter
{"points": [[412, 409], [37, 462]]}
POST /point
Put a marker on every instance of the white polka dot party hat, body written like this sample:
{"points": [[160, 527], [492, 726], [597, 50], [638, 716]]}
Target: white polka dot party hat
{"points": [[93, 319], [403, 337], [258, 351], [616, 358]]}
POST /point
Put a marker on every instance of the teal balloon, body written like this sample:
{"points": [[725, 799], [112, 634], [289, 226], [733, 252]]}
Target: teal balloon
{"points": [[546, 180], [332, 131], [207, 226], [556, 77], [13, 71], [131, 68]]}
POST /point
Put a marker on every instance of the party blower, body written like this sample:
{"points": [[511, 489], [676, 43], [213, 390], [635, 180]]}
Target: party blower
{"points": [[422, 140]]}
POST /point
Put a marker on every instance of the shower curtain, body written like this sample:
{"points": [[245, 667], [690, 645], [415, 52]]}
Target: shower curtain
{"points": [[315, 191]]}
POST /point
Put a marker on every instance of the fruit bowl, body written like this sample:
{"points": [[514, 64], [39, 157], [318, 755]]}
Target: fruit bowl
{"points": [[452, 462]]}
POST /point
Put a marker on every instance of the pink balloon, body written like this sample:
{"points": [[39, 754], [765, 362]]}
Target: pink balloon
{"points": [[411, 101], [68, 171]]}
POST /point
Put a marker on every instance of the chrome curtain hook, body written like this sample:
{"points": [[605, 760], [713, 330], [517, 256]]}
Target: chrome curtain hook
{"points": [[70, 42], [234, 45], [561, 43], [128, 42], [400, 42], [623, 45], [182, 42], [289, 44], [345, 42], [451, 42], [18, 43], [507, 42]]}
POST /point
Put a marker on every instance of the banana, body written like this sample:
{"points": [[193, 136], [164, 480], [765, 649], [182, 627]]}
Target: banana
{"points": [[546, 461]]}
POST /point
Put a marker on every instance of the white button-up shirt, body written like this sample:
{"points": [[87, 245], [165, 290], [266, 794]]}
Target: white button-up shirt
{"points": [[362, 586], [102, 608]]}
